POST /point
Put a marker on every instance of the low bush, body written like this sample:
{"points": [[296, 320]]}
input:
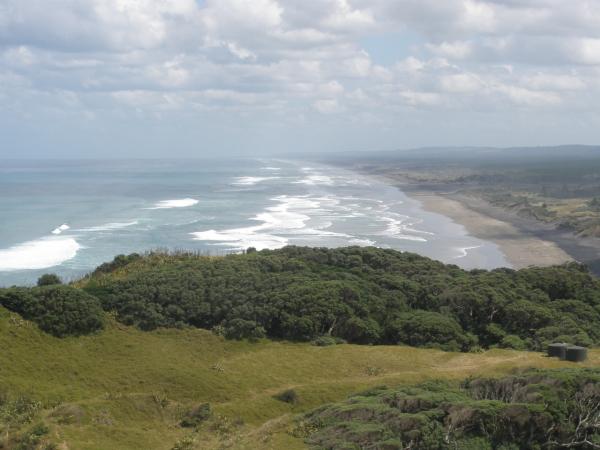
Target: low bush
{"points": [[118, 262], [196, 416], [287, 396], [243, 329], [325, 341], [57, 309], [537, 409], [431, 329], [514, 342], [185, 443], [48, 279]]}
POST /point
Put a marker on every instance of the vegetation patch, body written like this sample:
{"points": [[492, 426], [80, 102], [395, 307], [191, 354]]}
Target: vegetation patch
{"points": [[359, 295], [124, 388], [535, 409], [326, 341], [58, 310], [288, 396], [197, 415]]}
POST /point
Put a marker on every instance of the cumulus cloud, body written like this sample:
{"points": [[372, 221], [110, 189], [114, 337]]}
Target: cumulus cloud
{"points": [[284, 60]]}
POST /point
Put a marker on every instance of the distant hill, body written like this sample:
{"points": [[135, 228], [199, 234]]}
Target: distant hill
{"points": [[470, 153]]}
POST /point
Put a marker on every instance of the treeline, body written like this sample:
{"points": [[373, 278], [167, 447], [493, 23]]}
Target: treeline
{"points": [[538, 409], [360, 295]]}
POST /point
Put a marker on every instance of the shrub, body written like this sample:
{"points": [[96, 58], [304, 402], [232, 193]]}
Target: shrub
{"points": [[39, 429], [514, 342], [17, 411], [244, 329], [218, 330], [30, 440], [478, 443], [361, 331], [185, 443], [494, 333], [48, 279], [288, 396], [426, 328], [118, 262], [582, 339], [59, 310], [197, 415], [325, 341], [535, 409]]}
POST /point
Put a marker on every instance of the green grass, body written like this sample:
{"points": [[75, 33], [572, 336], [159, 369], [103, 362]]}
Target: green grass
{"points": [[128, 389]]}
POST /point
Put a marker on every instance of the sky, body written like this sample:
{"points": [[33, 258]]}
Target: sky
{"points": [[191, 78]]}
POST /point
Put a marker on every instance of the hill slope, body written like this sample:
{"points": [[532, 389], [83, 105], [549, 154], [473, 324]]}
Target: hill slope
{"points": [[128, 389], [132, 363]]}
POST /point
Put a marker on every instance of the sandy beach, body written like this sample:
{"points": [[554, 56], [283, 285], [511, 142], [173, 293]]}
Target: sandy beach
{"points": [[521, 248], [524, 243]]}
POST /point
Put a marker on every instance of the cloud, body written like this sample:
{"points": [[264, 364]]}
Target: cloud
{"points": [[284, 61], [461, 83], [527, 97], [327, 106], [116, 25], [552, 82], [454, 50]]}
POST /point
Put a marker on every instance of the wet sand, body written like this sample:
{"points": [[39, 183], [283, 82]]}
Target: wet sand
{"points": [[522, 249], [525, 242]]}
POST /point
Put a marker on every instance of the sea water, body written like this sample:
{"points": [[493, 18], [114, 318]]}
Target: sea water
{"points": [[67, 217]]}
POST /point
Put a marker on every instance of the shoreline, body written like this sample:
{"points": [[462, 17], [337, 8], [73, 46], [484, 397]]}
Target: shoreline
{"points": [[523, 242], [520, 248]]}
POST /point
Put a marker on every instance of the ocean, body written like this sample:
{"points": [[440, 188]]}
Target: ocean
{"points": [[67, 217]]}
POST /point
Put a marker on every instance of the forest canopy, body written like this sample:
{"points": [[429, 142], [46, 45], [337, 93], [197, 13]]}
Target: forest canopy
{"points": [[353, 294], [361, 295]]}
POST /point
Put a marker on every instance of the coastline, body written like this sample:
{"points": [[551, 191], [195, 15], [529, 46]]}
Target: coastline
{"points": [[520, 248], [523, 242]]}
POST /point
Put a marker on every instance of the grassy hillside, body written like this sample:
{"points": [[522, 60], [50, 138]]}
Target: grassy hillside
{"points": [[124, 359], [128, 389]]}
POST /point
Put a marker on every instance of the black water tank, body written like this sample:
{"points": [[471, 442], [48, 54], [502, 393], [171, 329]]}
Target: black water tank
{"points": [[558, 349], [576, 354]]}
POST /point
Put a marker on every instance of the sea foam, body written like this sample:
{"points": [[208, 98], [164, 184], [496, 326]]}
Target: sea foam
{"points": [[251, 181], [38, 254], [397, 228], [287, 218], [361, 242], [316, 180], [111, 226], [178, 203], [463, 251], [60, 229]]}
